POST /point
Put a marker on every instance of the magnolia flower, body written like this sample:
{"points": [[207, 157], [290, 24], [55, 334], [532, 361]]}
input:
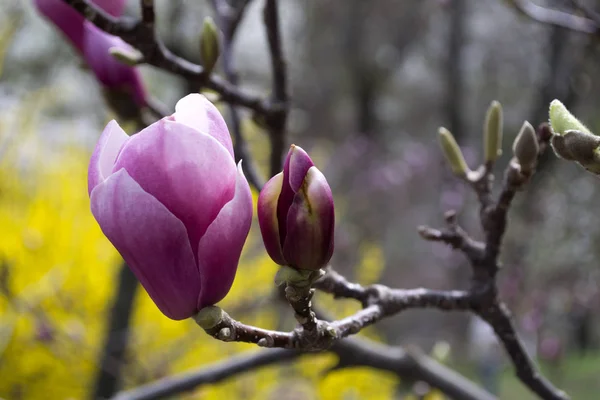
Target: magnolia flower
{"points": [[174, 204], [296, 215], [93, 45]]}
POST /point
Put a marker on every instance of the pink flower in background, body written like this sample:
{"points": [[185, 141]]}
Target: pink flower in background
{"points": [[296, 214], [93, 44], [174, 204]]}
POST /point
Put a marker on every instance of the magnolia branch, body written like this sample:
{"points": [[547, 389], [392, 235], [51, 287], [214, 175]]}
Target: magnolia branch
{"points": [[315, 335], [350, 352], [484, 294], [558, 18], [380, 301], [140, 34], [276, 122]]}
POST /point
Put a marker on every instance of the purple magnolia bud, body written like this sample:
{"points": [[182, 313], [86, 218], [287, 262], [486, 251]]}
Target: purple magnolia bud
{"points": [[174, 204], [296, 215], [93, 45]]}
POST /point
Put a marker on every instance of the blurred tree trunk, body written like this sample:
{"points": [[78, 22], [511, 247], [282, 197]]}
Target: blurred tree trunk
{"points": [[114, 351], [363, 72]]}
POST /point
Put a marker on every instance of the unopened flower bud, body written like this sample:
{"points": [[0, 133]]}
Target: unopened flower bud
{"points": [[492, 132], [561, 120], [209, 317], [209, 44], [127, 55], [452, 152], [526, 147], [296, 214]]}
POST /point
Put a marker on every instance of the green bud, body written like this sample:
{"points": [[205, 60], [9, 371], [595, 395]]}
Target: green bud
{"points": [[492, 132], [561, 120], [526, 147], [452, 152], [209, 44], [209, 317], [128, 56]]}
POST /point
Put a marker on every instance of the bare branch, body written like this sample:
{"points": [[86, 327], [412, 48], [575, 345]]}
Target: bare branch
{"points": [[555, 17], [211, 373], [228, 20], [483, 295], [351, 353], [147, 7], [408, 365], [142, 36], [315, 335], [499, 318], [337, 285], [454, 236], [277, 121]]}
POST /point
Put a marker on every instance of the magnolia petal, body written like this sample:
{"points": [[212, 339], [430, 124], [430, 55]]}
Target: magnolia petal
{"points": [[189, 172], [197, 111], [310, 224], [286, 197], [298, 166], [108, 70], [101, 164], [221, 246], [267, 217], [152, 241], [65, 17]]}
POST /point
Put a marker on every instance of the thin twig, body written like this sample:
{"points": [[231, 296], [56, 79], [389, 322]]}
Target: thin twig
{"points": [[555, 17], [228, 20], [279, 100], [142, 36], [316, 335], [147, 7]]}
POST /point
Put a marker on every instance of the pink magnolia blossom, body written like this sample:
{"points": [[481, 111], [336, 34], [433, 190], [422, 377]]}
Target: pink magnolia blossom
{"points": [[93, 45], [174, 204], [296, 214]]}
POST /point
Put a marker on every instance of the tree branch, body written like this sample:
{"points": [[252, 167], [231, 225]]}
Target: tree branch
{"points": [[351, 353], [117, 336], [228, 20], [211, 373], [499, 318], [141, 35], [147, 7], [555, 17], [279, 99], [316, 335], [484, 294]]}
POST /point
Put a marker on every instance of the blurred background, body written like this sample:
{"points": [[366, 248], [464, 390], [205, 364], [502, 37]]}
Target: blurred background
{"points": [[371, 81]]}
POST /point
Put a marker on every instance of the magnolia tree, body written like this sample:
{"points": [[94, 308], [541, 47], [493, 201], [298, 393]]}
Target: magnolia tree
{"points": [[175, 201]]}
